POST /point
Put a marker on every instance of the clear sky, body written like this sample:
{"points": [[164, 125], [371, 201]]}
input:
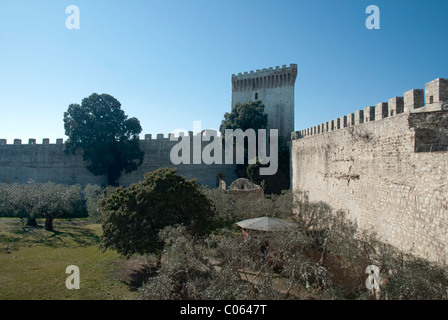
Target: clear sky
{"points": [[170, 62]]}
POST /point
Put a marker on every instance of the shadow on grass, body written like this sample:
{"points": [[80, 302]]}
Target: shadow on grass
{"points": [[80, 237], [134, 272], [26, 230], [65, 234], [138, 277]]}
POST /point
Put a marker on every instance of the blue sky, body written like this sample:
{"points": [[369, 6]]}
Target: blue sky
{"points": [[170, 62]]}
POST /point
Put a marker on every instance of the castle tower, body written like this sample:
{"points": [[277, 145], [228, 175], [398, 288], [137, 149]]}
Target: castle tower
{"points": [[275, 88]]}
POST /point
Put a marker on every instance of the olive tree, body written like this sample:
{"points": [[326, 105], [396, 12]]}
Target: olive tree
{"points": [[48, 200]]}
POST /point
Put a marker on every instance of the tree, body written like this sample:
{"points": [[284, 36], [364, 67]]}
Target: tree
{"points": [[52, 200], [105, 136], [92, 195], [248, 115], [244, 116], [17, 201], [49, 200], [132, 217]]}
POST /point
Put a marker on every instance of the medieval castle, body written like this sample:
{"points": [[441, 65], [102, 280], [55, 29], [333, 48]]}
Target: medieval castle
{"points": [[386, 165]]}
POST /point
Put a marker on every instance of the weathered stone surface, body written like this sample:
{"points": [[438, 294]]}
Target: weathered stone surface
{"points": [[47, 162], [372, 171], [388, 168], [396, 106], [436, 91], [413, 99], [275, 88]]}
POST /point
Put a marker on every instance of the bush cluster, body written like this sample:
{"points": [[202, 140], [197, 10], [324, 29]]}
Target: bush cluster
{"points": [[24, 200], [228, 209], [36, 200], [325, 257]]}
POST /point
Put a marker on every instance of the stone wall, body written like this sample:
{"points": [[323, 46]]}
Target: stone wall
{"points": [[20, 163], [388, 169]]}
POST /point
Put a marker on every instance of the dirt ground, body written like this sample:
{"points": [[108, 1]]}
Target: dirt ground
{"points": [[133, 271]]}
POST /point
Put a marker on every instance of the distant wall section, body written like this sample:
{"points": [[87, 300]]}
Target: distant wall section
{"points": [[32, 162]]}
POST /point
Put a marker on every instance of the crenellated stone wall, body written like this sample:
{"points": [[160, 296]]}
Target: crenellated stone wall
{"points": [[21, 163], [387, 165]]}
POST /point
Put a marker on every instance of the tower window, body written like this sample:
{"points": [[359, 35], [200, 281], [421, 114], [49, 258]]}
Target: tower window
{"points": [[256, 95], [431, 99]]}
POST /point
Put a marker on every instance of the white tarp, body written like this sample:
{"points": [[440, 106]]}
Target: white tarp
{"points": [[266, 224]]}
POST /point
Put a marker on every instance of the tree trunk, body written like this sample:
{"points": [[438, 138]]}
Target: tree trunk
{"points": [[112, 178], [31, 222], [107, 179], [49, 222], [158, 260], [323, 256]]}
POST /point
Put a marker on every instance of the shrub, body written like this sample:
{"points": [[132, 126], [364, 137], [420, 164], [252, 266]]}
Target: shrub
{"points": [[187, 274], [229, 209], [223, 206], [93, 194], [132, 217], [326, 256]]}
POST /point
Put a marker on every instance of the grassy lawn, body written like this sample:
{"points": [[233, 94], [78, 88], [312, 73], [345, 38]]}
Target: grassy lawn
{"points": [[33, 262]]}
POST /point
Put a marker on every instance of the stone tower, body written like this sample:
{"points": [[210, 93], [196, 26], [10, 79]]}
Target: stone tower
{"points": [[275, 88]]}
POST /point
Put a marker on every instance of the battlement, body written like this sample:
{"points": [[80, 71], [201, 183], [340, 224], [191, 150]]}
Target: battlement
{"points": [[265, 78], [433, 98], [31, 141], [147, 137], [171, 136]]}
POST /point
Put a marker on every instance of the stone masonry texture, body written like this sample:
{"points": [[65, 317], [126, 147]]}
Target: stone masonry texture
{"points": [[47, 162], [390, 174]]}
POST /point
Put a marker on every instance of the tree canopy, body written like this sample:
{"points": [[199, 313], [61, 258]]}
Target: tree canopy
{"points": [[49, 200], [132, 217], [250, 115], [106, 138], [244, 116], [247, 115]]}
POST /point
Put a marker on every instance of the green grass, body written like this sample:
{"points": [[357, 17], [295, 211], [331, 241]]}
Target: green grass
{"points": [[33, 262]]}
